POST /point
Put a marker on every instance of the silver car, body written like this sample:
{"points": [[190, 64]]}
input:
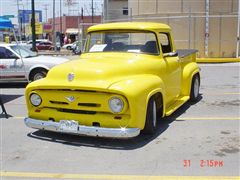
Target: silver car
{"points": [[30, 67]]}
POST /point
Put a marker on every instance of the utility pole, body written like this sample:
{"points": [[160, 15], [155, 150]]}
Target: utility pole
{"points": [[92, 12], [206, 27], [46, 9], [238, 29], [19, 22], [82, 21], [53, 32], [33, 28], [61, 16]]}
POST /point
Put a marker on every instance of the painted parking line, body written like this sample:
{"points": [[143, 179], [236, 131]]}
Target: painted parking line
{"points": [[232, 93], [180, 118], [112, 177], [208, 118], [209, 92]]}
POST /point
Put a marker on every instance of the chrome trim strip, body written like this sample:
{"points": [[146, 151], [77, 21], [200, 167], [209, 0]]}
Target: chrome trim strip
{"points": [[84, 130]]}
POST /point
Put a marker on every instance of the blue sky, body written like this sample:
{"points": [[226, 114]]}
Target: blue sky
{"points": [[9, 7]]}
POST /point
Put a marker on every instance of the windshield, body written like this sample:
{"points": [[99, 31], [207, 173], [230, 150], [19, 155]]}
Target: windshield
{"points": [[22, 51], [135, 42]]}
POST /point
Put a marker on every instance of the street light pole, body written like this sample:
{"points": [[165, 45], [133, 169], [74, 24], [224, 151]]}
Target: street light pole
{"points": [[19, 22], [33, 28]]}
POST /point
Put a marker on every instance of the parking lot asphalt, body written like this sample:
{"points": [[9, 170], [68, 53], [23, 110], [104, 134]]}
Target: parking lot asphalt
{"points": [[199, 140]]}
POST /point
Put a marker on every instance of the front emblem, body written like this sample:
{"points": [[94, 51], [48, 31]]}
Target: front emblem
{"points": [[70, 76], [70, 98]]}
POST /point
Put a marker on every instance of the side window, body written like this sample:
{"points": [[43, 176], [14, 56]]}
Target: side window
{"points": [[2, 53], [5, 53], [165, 42], [125, 10]]}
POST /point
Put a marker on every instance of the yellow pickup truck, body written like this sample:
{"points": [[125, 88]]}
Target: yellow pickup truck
{"points": [[128, 76]]}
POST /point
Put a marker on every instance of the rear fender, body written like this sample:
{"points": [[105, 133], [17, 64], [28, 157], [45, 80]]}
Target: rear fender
{"points": [[189, 71]]}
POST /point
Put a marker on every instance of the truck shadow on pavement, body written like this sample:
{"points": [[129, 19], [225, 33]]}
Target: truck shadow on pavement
{"points": [[107, 143], [13, 85]]}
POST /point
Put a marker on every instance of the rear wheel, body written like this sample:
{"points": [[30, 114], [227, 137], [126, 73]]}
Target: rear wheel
{"points": [[194, 94], [151, 117], [38, 74]]}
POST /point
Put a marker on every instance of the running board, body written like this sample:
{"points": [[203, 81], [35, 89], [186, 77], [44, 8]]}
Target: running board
{"points": [[178, 103]]}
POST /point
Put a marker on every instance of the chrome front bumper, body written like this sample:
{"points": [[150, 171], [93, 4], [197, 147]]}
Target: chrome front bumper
{"points": [[83, 130]]}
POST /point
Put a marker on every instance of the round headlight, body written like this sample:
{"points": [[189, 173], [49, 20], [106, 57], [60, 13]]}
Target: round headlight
{"points": [[35, 99], [116, 104]]}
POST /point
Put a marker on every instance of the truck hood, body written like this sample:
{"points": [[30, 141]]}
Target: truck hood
{"points": [[98, 70]]}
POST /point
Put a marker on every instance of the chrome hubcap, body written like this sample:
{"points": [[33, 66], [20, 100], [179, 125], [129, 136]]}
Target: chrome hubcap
{"points": [[38, 76], [196, 88], [154, 114]]}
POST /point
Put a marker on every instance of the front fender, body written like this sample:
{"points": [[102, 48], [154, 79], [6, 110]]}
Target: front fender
{"points": [[138, 90], [36, 66], [188, 72]]}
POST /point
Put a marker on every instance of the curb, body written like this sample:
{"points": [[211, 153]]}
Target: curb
{"points": [[218, 60]]}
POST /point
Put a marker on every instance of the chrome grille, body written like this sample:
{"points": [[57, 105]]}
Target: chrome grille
{"points": [[76, 111], [84, 101]]}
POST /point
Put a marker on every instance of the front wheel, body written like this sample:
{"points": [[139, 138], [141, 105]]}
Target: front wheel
{"points": [[38, 74], [151, 117], [194, 94]]}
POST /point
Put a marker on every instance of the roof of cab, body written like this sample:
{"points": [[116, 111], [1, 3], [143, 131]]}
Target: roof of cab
{"points": [[149, 26]]}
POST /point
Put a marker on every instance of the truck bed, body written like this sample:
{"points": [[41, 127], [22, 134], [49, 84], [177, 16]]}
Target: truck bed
{"points": [[185, 52]]}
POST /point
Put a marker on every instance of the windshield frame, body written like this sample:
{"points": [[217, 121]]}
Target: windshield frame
{"points": [[88, 38]]}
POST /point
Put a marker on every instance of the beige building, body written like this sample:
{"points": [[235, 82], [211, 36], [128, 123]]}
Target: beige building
{"points": [[207, 25], [115, 10]]}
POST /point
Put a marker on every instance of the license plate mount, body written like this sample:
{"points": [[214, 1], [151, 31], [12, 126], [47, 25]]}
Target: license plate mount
{"points": [[68, 125]]}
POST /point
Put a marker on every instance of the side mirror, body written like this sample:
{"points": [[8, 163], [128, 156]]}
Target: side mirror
{"points": [[170, 54]]}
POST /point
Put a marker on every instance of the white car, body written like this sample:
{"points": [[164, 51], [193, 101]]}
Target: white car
{"points": [[70, 46], [38, 41], [30, 67]]}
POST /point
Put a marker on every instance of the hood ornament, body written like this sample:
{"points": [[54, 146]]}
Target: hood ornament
{"points": [[70, 98], [70, 77]]}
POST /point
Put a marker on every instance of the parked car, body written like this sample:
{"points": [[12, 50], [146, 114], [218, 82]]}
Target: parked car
{"points": [[30, 67], [42, 44], [129, 76], [70, 46], [38, 41], [45, 45]]}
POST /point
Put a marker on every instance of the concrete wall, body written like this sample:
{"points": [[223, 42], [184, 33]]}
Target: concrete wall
{"points": [[114, 10], [186, 17]]}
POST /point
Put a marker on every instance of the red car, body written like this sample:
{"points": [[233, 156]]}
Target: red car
{"points": [[45, 45]]}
